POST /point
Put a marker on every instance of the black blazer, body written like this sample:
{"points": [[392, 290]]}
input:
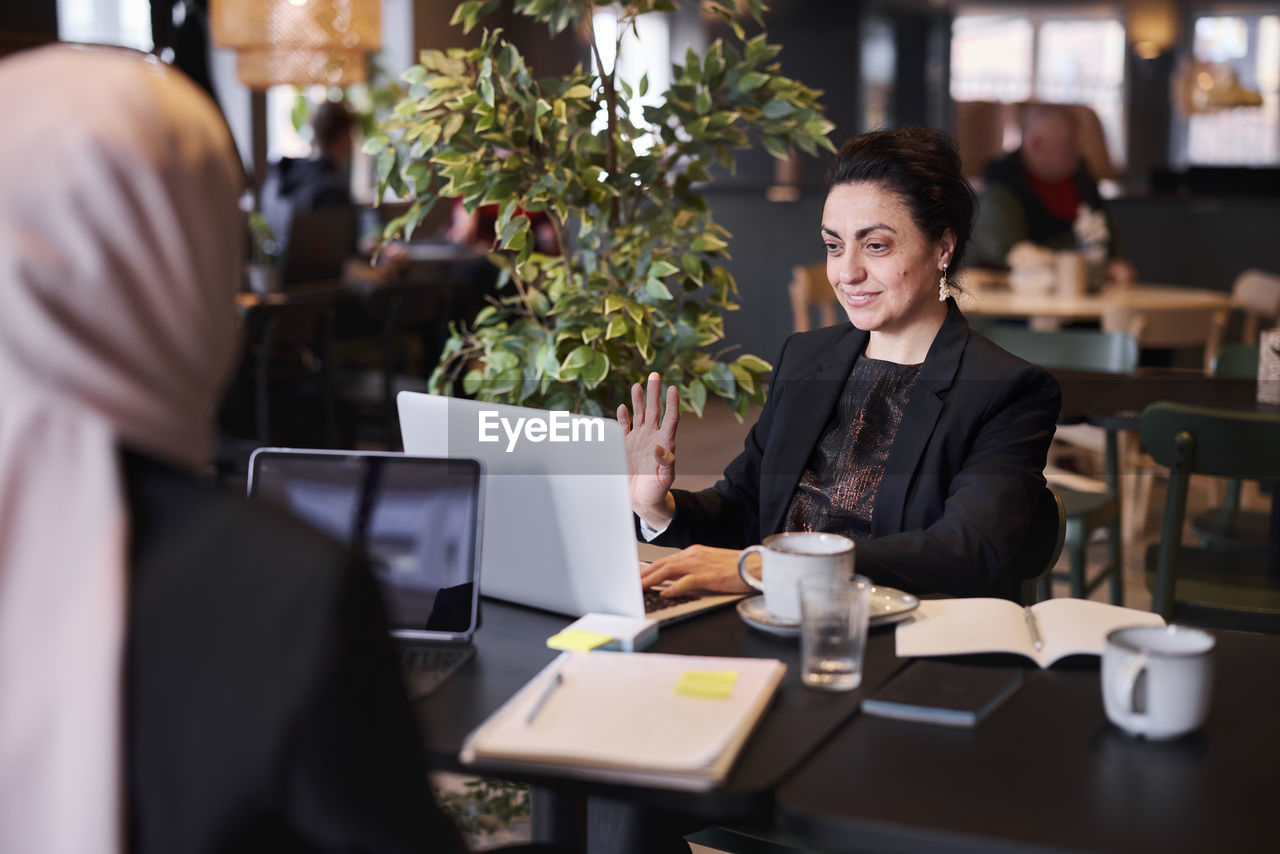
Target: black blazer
{"points": [[263, 708], [961, 481]]}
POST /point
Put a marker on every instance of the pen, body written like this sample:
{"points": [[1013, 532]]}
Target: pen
{"points": [[555, 683], [1032, 626]]}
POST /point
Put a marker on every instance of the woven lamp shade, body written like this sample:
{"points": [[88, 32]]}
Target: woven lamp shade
{"points": [[298, 42]]}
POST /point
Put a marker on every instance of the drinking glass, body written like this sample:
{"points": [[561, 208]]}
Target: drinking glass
{"points": [[833, 630]]}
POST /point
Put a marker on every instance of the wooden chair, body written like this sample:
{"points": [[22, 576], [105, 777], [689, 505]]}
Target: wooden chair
{"points": [[985, 130], [1226, 527], [1169, 329], [809, 288], [1236, 591], [1088, 504], [1257, 295]]}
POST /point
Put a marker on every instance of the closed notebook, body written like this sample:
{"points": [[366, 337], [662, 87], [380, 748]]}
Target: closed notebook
{"points": [[677, 721], [944, 692]]}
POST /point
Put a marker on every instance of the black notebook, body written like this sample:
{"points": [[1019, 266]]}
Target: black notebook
{"points": [[944, 692]]}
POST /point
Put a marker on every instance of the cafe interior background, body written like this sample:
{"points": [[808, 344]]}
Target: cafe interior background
{"points": [[1194, 186], [1187, 95]]}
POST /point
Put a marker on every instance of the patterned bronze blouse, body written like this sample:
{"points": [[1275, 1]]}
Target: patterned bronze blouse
{"points": [[837, 491]]}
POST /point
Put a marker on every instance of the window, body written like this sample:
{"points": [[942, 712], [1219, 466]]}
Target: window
{"points": [[1058, 57], [1239, 136], [644, 49], [121, 22]]}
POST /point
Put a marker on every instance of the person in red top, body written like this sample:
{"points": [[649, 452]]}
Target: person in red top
{"points": [[1035, 193]]}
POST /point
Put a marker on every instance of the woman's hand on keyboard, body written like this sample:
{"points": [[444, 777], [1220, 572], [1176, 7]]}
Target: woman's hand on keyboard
{"points": [[696, 568]]}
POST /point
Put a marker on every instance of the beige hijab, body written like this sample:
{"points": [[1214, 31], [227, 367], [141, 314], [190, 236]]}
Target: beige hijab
{"points": [[119, 256]]}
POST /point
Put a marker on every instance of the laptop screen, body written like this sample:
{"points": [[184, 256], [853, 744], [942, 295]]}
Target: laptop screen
{"points": [[414, 519]]}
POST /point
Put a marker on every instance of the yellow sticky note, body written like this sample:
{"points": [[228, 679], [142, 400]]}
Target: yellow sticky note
{"points": [[578, 640], [709, 684]]}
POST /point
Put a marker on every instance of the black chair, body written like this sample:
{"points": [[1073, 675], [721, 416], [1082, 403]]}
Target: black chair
{"points": [[409, 321], [1086, 350], [283, 392], [1226, 527], [1196, 585]]}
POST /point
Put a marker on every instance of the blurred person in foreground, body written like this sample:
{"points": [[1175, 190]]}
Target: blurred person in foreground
{"points": [[904, 430], [181, 671], [1043, 193]]}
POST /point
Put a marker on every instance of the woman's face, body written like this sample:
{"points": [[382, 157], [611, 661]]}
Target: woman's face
{"points": [[883, 269]]}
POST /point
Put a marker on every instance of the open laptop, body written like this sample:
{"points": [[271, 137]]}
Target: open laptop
{"points": [[417, 521], [560, 534], [318, 246]]}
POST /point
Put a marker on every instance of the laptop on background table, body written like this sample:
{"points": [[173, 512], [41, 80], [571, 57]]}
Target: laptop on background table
{"points": [[417, 521], [559, 533]]}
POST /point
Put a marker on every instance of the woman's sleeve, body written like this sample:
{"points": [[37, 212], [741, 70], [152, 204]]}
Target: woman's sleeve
{"points": [[728, 514], [989, 502]]}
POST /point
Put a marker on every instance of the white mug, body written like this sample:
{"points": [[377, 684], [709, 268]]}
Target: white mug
{"points": [[788, 557], [1157, 680]]}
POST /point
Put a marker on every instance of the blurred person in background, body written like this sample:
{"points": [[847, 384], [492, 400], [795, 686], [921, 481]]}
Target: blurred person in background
{"points": [[1036, 194]]}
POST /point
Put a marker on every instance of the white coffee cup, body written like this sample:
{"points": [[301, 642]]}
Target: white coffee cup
{"points": [[788, 557], [1157, 680]]}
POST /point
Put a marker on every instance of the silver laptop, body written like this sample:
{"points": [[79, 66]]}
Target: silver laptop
{"points": [[417, 521], [560, 534]]}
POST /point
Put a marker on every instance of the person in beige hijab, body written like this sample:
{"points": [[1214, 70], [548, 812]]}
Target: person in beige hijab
{"points": [[179, 671]]}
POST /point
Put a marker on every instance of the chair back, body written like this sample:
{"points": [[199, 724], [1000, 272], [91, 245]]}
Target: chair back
{"points": [[1236, 362], [1202, 440], [283, 344], [1169, 328], [1041, 546], [985, 130], [1257, 294], [1077, 349], [809, 287]]}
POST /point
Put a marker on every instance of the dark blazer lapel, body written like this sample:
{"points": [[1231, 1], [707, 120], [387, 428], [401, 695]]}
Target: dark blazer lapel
{"points": [[811, 398], [919, 419]]}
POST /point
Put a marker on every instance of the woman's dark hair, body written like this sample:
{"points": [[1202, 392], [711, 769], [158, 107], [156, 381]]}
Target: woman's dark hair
{"points": [[920, 165]]}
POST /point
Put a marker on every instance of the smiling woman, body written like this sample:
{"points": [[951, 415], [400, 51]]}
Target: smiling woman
{"points": [[905, 430]]}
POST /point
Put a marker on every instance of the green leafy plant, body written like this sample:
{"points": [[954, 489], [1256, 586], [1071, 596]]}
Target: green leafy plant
{"points": [[639, 284], [485, 806]]}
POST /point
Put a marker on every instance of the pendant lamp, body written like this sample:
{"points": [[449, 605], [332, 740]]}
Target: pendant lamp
{"points": [[298, 42]]}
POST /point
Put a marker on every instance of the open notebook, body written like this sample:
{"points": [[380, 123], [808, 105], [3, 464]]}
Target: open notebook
{"points": [[1066, 626], [676, 721]]}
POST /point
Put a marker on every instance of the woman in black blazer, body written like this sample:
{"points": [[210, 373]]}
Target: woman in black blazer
{"points": [[906, 430]]}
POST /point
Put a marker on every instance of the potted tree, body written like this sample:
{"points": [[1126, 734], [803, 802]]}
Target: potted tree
{"points": [[638, 284]]}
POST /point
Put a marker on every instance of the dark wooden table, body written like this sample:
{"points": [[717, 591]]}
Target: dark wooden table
{"points": [[1115, 402], [1047, 772], [511, 648]]}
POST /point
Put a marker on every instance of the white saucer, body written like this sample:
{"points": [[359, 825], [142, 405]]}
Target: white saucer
{"points": [[888, 605], [754, 614]]}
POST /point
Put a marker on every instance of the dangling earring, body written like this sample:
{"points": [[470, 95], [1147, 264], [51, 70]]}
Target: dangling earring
{"points": [[944, 289]]}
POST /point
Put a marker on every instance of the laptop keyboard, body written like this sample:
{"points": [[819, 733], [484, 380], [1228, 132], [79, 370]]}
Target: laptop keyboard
{"points": [[424, 668], [654, 601]]}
